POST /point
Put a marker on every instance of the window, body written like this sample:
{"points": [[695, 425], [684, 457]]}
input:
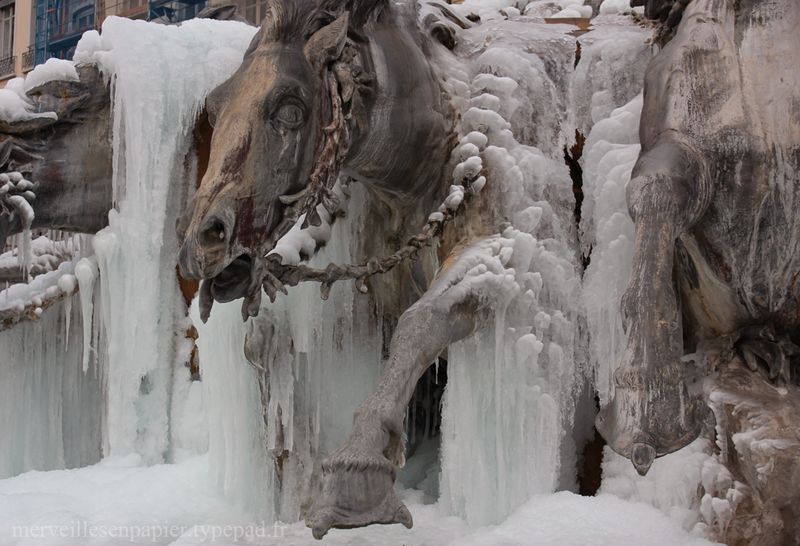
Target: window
{"points": [[34, 22], [53, 23], [83, 18], [7, 31]]}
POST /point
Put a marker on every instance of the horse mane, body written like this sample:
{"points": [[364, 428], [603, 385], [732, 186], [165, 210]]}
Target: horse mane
{"points": [[292, 20]]}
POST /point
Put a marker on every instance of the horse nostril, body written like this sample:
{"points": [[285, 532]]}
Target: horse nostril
{"points": [[214, 233]]}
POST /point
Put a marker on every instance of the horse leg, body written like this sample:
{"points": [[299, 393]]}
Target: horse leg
{"points": [[358, 479], [652, 412]]}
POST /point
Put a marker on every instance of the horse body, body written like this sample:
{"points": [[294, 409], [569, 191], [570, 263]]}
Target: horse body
{"points": [[751, 224], [400, 133], [712, 196], [402, 138]]}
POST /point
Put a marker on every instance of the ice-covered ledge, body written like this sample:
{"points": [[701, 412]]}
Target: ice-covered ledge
{"points": [[752, 497]]}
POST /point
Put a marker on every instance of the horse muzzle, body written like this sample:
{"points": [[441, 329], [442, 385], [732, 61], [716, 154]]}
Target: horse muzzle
{"points": [[232, 282]]}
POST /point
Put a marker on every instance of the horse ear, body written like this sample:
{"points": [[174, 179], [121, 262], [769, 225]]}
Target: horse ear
{"points": [[326, 44]]}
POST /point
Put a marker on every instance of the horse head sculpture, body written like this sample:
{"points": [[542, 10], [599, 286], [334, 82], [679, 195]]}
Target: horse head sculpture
{"points": [[325, 87]]}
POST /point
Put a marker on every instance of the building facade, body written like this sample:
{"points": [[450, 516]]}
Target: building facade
{"points": [[59, 26], [175, 11], [32, 31], [16, 35]]}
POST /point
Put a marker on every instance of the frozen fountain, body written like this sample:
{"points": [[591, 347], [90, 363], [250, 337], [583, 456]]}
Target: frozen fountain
{"points": [[109, 370]]}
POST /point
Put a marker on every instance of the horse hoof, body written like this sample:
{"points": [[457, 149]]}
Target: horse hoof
{"points": [[642, 457], [357, 490], [643, 424]]}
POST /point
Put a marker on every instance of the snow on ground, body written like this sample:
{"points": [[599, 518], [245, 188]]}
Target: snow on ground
{"points": [[114, 492], [177, 504], [567, 519]]}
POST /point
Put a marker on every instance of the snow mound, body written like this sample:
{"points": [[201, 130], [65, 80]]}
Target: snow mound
{"points": [[611, 7], [52, 70]]}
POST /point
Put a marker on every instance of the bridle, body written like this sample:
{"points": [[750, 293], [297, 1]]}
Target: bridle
{"points": [[330, 151]]}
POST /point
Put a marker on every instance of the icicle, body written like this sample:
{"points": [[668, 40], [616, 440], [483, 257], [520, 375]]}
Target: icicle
{"points": [[49, 407], [154, 109], [67, 316], [427, 407], [25, 212], [86, 273], [26, 253], [67, 284]]}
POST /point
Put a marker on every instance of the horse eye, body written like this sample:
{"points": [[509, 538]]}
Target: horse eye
{"points": [[290, 115]]}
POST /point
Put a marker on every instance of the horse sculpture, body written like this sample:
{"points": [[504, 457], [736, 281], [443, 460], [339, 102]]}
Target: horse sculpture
{"points": [[350, 90], [72, 195], [731, 271], [270, 122], [714, 236], [327, 104]]}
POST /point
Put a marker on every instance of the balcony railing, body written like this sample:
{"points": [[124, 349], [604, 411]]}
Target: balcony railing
{"points": [[7, 66], [28, 59]]}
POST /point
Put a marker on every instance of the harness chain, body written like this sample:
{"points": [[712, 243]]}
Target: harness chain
{"points": [[335, 144]]}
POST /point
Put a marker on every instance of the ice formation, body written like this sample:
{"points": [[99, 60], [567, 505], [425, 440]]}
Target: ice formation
{"points": [[610, 153], [671, 487], [300, 243], [129, 298], [135, 254], [47, 254], [16, 194], [86, 272], [324, 359], [50, 406], [510, 387], [40, 293]]}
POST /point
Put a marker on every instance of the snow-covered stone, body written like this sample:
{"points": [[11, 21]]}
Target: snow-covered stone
{"points": [[52, 69]]}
